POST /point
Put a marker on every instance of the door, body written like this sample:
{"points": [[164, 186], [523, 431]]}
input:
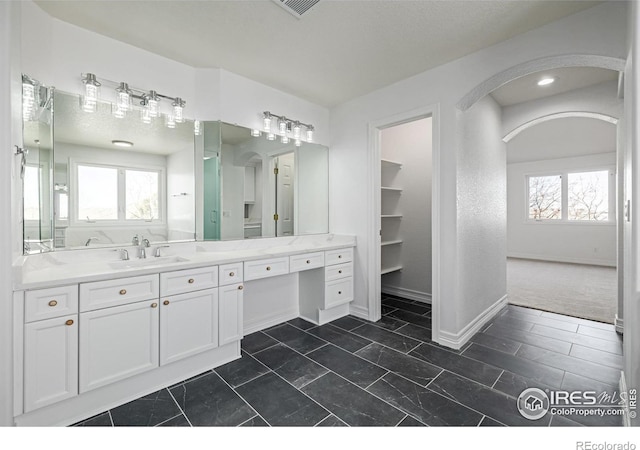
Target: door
{"points": [[118, 342], [50, 361], [231, 299], [188, 324], [284, 194]]}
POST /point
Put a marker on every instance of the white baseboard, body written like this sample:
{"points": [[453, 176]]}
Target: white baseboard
{"points": [[626, 420], [587, 261], [457, 340], [407, 293], [619, 325], [359, 311]]}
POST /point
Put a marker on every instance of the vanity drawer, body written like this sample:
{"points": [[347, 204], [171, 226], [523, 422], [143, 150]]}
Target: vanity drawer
{"points": [[338, 271], [306, 261], [51, 302], [338, 292], [264, 268], [231, 273], [340, 256], [189, 280], [102, 294]]}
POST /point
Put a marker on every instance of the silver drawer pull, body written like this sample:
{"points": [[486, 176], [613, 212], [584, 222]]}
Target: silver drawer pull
{"points": [[53, 303], [240, 287], [268, 267], [308, 261], [191, 280], [232, 274], [339, 256], [123, 291]]}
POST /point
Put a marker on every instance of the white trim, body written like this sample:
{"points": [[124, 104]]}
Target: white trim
{"points": [[457, 340], [563, 259], [619, 323], [560, 115], [373, 204], [407, 293], [359, 311]]}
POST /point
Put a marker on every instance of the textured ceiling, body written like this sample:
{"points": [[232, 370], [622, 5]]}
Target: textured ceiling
{"points": [[338, 51], [562, 138], [525, 88]]}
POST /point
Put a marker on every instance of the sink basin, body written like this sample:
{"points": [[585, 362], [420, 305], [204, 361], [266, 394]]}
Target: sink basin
{"points": [[146, 262]]}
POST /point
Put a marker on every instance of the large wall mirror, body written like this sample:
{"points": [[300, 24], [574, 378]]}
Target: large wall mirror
{"points": [[95, 180]]}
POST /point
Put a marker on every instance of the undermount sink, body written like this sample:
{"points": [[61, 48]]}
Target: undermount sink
{"points": [[149, 261]]}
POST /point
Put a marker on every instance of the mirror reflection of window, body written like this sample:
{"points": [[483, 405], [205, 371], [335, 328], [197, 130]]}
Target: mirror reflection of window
{"points": [[97, 193], [32, 193]]}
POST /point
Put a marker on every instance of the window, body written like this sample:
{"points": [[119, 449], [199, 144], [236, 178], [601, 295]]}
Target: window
{"points": [[117, 194], [572, 196], [31, 194]]}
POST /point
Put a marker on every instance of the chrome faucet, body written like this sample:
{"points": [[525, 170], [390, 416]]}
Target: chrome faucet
{"points": [[156, 252], [135, 241], [142, 248], [86, 244]]}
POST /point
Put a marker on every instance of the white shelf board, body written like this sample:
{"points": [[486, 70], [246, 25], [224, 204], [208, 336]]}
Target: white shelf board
{"points": [[391, 216], [386, 188], [390, 269], [397, 241], [391, 163]]}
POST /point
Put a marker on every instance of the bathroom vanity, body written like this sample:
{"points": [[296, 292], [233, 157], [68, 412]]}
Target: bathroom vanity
{"points": [[92, 331]]}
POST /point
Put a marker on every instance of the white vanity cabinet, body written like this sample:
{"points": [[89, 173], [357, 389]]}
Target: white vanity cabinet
{"points": [[117, 343], [231, 307]]}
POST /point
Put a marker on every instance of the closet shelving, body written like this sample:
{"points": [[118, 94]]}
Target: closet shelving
{"points": [[390, 212]]}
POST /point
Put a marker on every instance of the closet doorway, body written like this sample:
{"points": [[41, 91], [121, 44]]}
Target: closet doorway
{"points": [[403, 206]]}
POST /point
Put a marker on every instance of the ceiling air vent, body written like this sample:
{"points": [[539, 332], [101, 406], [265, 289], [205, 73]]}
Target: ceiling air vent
{"points": [[297, 7]]}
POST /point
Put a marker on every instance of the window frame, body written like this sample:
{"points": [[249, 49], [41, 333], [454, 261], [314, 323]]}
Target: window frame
{"points": [[564, 195], [121, 220]]}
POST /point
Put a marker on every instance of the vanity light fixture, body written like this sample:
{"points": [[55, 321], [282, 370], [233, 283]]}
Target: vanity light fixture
{"points": [[119, 143], [123, 101], [178, 105], [546, 81], [170, 121], [197, 128], [151, 103], [145, 115], [29, 93], [286, 126], [91, 93], [255, 132]]}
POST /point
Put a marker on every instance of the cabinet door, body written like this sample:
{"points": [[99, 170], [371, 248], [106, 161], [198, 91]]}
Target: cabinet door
{"points": [[50, 361], [118, 342], [188, 324], [231, 313]]}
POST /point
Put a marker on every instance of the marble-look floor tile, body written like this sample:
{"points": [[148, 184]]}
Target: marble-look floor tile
{"points": [[279, 403], [345, 364], [406, 316], [410, 422], [596, 356], [459, 364], [339, 337], [257, 341], [513, 384], [208, 401], [550, 376], [578, 338], [524, 337], [347, 323], [387, 309], [496, 405], [298, 340], [331, 421], [514, 323], [177, 421], [255, 421], [422, 403], [395, 341], [415, 369], [609, 335], [579, 321], [354, 406], [504, 345], [416, 332], [241, 370], [389, 323], [146, 411], [575, 382], [293, 367], [412, 307], [301, 323], [100, 420], [561, 325]]}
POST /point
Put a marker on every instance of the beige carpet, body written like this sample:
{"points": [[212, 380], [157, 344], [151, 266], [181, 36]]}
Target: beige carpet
{"points": [[589, 292]]}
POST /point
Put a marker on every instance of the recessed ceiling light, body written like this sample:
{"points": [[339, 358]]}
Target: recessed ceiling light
{"points": [[546, 81], [122, 143]]}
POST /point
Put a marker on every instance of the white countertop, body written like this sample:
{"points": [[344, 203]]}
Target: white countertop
{"points": [[77, 266]]}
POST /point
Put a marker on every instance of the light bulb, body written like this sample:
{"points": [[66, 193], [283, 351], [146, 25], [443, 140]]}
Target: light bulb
{"points": [[298, 142], [123, 97], [117, 112], [296, 131], [282, 127], [28, 99], [309, 134], [152, 104], [178, 106], [284, 139], [145, 115], [271, 137], [267, 122], [91, 93], [170, 121], [255, 132], [196, 128]]}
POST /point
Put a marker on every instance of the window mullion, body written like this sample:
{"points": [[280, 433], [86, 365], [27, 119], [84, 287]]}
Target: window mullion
{"points": [[121, 195]]}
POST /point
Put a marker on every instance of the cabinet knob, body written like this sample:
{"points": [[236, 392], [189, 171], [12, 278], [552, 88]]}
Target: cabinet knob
{"points": [[339, 271], [123, 291], [232, 274], [191, 280], [69, 322], [339, 256], [339, 292], [268, 267], [154, 305], [308, 261], [165, 303], [240, 287], [53, 303]]}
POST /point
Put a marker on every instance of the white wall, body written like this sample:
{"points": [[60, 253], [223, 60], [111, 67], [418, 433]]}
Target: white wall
{"points": [[231, 195], [411, 145], [586, 243], [444, 86], [311, 202], [180, 180]]}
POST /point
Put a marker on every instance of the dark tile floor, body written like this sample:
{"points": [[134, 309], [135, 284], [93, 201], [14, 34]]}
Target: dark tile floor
{"points": [[355, 373]]}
